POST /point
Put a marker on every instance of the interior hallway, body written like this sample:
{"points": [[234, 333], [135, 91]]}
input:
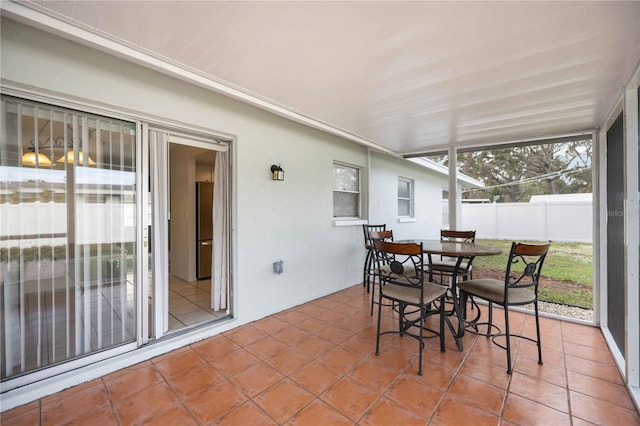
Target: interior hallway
{"points": [[315, 364]]}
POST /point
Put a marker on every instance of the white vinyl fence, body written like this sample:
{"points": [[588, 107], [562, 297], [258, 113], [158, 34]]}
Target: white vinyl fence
{"points": [[557, 221]]}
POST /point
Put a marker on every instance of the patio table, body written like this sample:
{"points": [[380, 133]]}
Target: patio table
{"points": [[461, 251]]}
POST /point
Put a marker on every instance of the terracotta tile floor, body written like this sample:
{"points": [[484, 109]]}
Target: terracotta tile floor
{"points": [[315, 364]]}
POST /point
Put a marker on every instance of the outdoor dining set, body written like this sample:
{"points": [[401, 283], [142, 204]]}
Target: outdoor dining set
{"points": [[420, 278]]}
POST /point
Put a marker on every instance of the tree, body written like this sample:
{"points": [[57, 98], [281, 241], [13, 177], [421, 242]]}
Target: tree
{"points": [[515, 174]]}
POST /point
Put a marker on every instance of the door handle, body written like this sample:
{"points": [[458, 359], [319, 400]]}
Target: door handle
{"points": [[206, 243]]}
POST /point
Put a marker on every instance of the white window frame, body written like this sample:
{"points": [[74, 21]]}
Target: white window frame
{"points": [[410, 198], [341, 220]]}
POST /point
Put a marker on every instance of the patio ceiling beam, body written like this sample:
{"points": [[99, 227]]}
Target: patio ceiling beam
{"points": [[579, 136]]}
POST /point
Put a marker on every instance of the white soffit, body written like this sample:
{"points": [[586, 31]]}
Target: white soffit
{"points": [[406, 76], [464, 180]]}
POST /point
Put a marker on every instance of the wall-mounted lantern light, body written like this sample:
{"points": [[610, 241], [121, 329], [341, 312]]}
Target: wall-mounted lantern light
{"points": [[277, 173]]}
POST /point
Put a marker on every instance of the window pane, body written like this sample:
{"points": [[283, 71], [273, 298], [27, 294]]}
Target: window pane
{"points": [[67, 256], [345, 204], [404, 188], [345, 178], [404, 208]]}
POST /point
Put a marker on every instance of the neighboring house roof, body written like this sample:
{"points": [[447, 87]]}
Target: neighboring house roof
{"points": [[464, 180], [560, 198]]}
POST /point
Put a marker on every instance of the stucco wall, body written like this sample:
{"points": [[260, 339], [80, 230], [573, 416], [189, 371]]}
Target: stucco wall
{"points": [[290, 220], [428, 184]]}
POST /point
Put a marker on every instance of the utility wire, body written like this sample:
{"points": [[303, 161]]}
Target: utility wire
{"points": [[533, 179]]}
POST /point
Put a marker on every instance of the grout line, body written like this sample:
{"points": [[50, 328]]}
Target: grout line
{"points": [[113, 408], [178, 399], [566, 375]]}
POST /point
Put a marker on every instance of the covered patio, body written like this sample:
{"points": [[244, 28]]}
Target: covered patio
{"points": [[374, 88], [314, 364]]}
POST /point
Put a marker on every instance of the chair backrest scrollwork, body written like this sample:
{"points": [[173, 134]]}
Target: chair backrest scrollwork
{"points": [[405, 262], [525, 264]]}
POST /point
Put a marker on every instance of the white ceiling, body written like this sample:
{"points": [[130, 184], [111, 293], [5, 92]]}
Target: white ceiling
{"points": [[408, 76]]}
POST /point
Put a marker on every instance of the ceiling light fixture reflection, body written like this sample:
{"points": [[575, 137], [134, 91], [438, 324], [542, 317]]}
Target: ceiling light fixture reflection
{"points": [[36, 160], [68, 158], [32, 158]]}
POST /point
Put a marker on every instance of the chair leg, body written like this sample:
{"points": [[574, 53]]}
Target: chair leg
{"points": [[463, 304], [442, 315], [490, 326], [421, 345], [373, 290], [378, 330], [366, 270], [538, 333], [506, 327], [400, 316]]}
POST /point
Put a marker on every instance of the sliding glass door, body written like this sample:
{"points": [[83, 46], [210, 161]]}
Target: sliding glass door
{"points": [[92, 263], [68, 209]]}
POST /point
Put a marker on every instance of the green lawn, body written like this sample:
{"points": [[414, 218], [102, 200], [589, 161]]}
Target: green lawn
{"points": [[567, 262]]}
